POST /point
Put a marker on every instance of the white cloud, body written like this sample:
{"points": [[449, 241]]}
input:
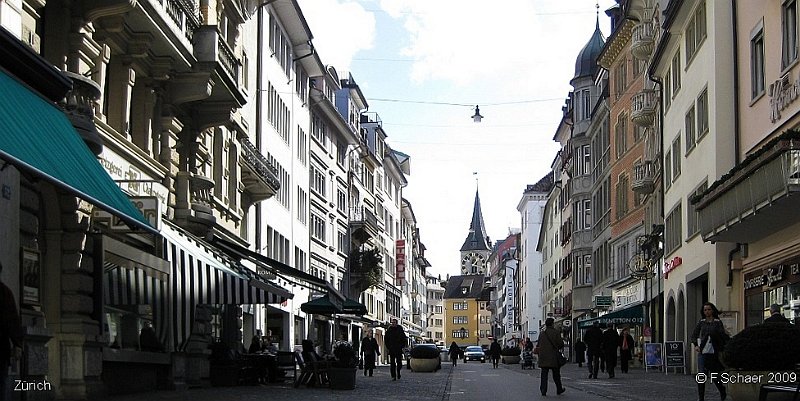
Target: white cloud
{"points": [[341, 28]]}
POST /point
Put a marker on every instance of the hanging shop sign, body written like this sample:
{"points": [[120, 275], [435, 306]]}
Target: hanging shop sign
{"points": [[400, 261]]}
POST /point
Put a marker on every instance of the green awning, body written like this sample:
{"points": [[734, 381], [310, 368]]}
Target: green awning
{"points": [[324, 305], [631, 316], [37, 138], [353, 307]]}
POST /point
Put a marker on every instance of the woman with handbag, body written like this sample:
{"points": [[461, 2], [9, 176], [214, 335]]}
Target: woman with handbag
{"points": [[709, 339], [369, 352], [550, 356]]}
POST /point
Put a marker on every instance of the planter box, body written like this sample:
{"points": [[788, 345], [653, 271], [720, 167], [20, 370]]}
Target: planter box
{"points": [[342, 378], [511, 360], [424, 365]]}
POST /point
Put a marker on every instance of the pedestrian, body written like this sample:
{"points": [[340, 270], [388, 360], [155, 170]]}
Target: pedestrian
{"points": [[528, 344], [775, 315], [395, 340], [550, 344], [626, 347], [454, 352], [709, 338], [594, 347], [10, 334], [255, 344], [580, 351], [494, 353], [369, 352], [610, 345]]}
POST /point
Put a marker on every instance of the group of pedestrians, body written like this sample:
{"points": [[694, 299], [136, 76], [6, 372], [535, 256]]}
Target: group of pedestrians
{"points": [[601, 347]]}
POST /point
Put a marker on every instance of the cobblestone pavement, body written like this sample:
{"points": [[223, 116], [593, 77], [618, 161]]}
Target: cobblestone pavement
{"points": [[633, 386], [413, 386]]}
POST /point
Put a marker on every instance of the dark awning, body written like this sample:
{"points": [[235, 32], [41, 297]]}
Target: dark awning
{"points": [[631, 316], [325, 305], [39, 139], [353, 307]]}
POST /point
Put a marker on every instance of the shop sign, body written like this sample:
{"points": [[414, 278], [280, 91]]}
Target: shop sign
{"points": [[775, 275], [602, 300], [675, 354], [149, 206], [131, 179], [782, 93], [769, 277], [671, 264], [400, 261], [754, 282], [509, 299], [628, 295]]}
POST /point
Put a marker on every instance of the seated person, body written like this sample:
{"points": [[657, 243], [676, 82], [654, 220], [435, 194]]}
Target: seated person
{"points": [[148, 340], [268, 347], [255, 346]]}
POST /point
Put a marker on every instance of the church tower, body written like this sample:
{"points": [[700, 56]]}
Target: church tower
{"points": [[476, 249]]}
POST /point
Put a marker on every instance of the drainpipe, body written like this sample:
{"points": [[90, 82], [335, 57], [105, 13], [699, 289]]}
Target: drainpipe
{"points": [[730, 263], [736, 141]]}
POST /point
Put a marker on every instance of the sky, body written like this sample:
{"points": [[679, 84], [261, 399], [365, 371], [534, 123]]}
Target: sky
{"points": [[423, 66]]}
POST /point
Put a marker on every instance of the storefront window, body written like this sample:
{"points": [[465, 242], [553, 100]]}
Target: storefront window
{"points": [[125, 325]]}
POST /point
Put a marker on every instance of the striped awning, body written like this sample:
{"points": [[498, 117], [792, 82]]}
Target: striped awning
{"points": [[201, 276]]}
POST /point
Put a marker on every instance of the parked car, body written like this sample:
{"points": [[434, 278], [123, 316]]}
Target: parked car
{"points": [[474, 353]]}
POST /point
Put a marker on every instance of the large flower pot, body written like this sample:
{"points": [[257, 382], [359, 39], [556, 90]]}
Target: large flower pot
{"points": [[424, 364], [740, 390], [510, 359], [342, 378]]}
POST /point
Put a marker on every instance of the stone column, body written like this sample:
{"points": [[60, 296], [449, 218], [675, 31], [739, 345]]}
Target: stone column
{"points": [[99, 73]]}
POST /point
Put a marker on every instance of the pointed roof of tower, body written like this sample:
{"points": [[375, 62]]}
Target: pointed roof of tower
{"points": [[586, 63], [476, 239]]}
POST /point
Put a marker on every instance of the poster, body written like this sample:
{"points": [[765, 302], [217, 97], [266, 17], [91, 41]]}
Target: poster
{"points": [[675, 354], [653, 355], [30, 276]]}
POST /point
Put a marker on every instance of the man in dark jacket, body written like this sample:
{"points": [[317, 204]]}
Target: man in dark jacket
{"points": [[550, 345], [395, 340], [10, 333], [594, 347], [611, 342], [775, 315], [494, 353]]}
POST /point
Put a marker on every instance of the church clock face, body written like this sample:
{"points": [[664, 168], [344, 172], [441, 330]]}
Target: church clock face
{"points": [[472, 263]]}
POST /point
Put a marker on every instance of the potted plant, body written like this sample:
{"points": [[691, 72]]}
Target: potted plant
{"points": [[510, 355], [342, 372], [425, 358], [759, 349]]}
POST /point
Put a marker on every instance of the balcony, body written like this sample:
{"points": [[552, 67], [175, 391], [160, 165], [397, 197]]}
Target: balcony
{"points": [[643, 39], [644, 177], [364, 224], [757, 198], [259, 177], [215, 55], [183, 14], [643, 107]]}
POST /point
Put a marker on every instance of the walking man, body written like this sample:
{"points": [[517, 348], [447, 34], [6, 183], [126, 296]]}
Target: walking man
{"points": [[594, 346], [395, 340], [775, 315], [369, 352], [10, 333], [611, 343], [550, 343], [494, 353], [454, 353]]}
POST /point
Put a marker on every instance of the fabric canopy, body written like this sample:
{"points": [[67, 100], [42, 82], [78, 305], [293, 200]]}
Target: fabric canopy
{"points": [[39, 139], [631, 316], [325, 305], [353, 307]]}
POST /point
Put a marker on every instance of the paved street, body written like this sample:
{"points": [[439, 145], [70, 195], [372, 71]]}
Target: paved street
{"points": [[467, 382]]}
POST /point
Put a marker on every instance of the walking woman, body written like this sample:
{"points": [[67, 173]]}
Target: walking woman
{"points": [[454, 353], [369, 352], [708, 339], [626, 346], [494, 353], [580, 351], [550, 343]]}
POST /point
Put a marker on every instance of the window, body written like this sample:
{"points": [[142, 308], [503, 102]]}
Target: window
{"points": [[438, 322], [621, 135], [676, 73], [318, 181], [622, 196], [460, 306], [458, 334], [673, 230], [341, 153], [583, 269], [789, 24], [302, 205], [757, 80], [301, 145], [692, 215], [341, 242], [668, 169], [620, 78], [702, 114], [676, 158], [667, 89], [459, 320], [689, 121], [317, 227], [439, 310], [696, 31]]}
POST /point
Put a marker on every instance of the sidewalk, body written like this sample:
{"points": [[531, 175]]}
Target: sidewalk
{"points": [[633, 386], [413, 386]]}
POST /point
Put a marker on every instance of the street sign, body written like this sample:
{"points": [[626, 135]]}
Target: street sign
{"points": [[602, 300]]}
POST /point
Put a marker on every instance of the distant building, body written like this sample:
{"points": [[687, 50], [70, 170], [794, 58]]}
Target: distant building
{"points": [[467, 318]]}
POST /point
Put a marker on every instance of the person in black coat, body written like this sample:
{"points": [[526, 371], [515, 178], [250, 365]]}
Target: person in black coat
{"points": [[775, 315], [580, 350], [454, 353], [494, 353], [594, 346], [10, 334], [626, 346], [708, 338], [369, 352], [395, 340], [611, 341], [550, 344]]}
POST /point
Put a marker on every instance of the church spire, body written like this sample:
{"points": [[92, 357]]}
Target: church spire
{"points": [[476, 239]]}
